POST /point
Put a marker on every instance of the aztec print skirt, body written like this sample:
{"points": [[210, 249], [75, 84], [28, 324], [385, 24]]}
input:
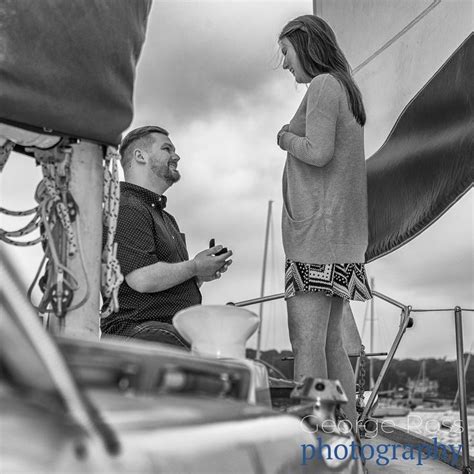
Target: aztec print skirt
{"points": [[346, 280]]}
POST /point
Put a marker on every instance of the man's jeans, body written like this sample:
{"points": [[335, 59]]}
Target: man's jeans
{"points": [[158, 332]]}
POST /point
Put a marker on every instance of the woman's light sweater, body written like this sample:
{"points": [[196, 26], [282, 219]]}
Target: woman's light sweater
{"points": [[324, 181]]}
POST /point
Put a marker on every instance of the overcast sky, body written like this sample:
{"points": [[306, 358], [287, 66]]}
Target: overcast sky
{"points": [[209, 73]]}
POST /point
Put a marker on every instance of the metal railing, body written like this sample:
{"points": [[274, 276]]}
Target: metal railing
{"points": [[405, 322]]}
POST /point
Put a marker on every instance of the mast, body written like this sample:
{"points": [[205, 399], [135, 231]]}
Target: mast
{"points": [[419, 383], [262, 287], [423, 377], [68, 119], [317, 7], [371, 362]]}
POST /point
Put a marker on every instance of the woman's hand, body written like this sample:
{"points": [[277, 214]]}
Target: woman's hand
{"points": [[284, 129]]}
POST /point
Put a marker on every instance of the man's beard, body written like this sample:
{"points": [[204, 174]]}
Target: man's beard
{"points": [[164, 172]]}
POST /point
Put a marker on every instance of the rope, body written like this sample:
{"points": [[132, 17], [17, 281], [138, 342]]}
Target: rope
{"points": [[84, 272], [62, 211], [29, 243], [28, 228], [57, 213], [18, 213], [111, 275], [59, 276], [5, 151], [8, 235]]}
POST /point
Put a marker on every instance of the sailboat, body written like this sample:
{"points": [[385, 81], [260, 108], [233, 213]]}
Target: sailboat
{"points": [[52, 108]]}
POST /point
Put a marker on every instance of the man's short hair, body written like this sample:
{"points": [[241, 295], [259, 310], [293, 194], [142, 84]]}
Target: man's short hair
{"points": [[140, 133]]}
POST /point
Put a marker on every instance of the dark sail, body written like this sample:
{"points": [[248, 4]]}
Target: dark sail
{"points": [[69, 66], [427, 163]]}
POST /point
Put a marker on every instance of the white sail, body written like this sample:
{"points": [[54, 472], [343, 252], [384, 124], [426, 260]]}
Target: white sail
{"points": [[405, 43]]}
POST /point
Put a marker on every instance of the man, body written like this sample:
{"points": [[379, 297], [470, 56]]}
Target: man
{"points": [[160, 278]]}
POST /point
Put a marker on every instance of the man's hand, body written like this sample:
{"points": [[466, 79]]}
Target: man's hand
{"points": [[210, 267], [216, 275], [160, 276]]}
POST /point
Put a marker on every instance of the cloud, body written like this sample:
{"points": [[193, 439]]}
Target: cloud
{"points": [[205, 58]]}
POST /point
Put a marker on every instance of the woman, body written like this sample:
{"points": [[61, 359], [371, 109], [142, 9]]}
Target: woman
{"points": [[324, 220]]}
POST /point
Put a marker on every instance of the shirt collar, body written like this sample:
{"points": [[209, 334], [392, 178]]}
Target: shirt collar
{"points": [[149, 197]]}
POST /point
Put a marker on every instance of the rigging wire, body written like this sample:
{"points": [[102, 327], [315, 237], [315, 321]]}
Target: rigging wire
{"points": [[396, 37], [365, 320], [271, 322]]}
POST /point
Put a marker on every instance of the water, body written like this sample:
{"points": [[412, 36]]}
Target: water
{"points": [[428, 424]]}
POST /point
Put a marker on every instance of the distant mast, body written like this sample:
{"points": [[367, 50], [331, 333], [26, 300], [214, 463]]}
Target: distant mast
{"points": [[317, 4], [262, 288], [372, 317]]}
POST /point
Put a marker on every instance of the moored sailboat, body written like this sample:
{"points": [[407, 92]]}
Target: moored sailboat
{"points": [[84, 165]]}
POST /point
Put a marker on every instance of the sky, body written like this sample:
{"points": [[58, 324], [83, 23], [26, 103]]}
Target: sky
{"points": [[210, 74]]}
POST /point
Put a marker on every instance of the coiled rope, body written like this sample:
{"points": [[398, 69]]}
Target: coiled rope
{"points": [[8, 236], [56, 217]]}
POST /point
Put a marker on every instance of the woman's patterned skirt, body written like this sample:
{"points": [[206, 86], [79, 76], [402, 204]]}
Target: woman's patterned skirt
{"points": [[346, 280]]}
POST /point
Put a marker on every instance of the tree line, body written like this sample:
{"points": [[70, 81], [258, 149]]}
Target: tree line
{"points": [[442, 370]]}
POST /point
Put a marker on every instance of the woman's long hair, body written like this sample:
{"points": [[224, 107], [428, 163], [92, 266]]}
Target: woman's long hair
{"points": [[317, 49]]}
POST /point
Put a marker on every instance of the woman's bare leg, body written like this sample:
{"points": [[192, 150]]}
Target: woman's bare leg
{"points": [[308, 315], [338, 363]]}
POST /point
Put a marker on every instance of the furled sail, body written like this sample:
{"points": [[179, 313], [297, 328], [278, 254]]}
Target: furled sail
{"points": [[68, 68]]}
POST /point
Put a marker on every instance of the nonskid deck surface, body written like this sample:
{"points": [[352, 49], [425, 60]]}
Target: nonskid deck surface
{"points": [[400, 465]]}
